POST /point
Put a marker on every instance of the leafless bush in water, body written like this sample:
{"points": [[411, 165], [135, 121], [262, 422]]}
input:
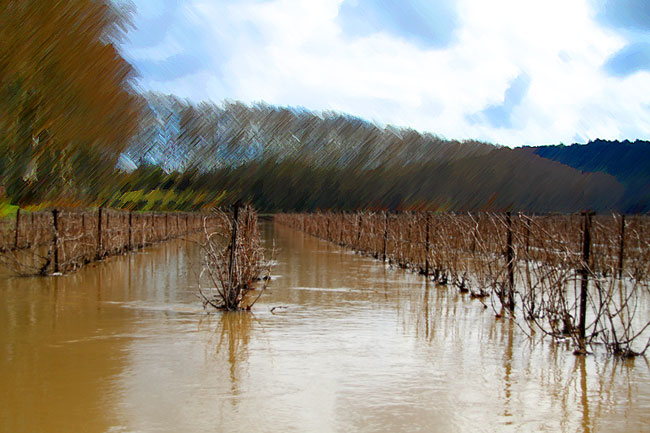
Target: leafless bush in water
{"points": [[233, 262], [554, 277], [486, 262], [550, 293]]}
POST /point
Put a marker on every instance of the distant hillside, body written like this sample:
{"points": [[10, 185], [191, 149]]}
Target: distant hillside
{"points": [[628, 162]]}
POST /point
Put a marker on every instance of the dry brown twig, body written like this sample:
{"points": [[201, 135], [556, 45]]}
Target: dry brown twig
{"points": [[233, 274]]}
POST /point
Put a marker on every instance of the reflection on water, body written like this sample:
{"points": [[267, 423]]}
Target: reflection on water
{"points": [[124, 345]]}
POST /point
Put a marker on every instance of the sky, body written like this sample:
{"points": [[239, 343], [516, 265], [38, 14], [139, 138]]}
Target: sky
{"points": [[509, 72]]}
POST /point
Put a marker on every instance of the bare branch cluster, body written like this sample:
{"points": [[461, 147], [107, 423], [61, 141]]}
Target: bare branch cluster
{"points": [[233, 261], [35, 243], [533, 265]]}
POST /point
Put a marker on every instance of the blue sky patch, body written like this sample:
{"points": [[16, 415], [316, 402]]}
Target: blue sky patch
{"points": [[171, 68], [629, 14], [631, 59], [428, 24], [500, 116]]}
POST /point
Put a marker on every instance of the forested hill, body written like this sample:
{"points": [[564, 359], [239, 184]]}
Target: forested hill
{"points": [[628, 162]]}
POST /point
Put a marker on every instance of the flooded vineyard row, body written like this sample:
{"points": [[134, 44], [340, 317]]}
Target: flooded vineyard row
{"points": [[580, 277], [56, 241], [339, 342]]}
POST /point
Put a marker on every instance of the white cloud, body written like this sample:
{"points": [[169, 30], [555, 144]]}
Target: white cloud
{"points": [[292, 52]]}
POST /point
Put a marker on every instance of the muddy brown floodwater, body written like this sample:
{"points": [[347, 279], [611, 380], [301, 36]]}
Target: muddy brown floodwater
{"points": [[124, 346]]}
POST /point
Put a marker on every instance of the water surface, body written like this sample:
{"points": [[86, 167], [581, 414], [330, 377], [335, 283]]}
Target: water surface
{"points": [[352, 345]]}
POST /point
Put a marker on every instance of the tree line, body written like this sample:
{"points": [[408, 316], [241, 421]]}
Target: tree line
{"points": [[282, 159], [67, 103]]}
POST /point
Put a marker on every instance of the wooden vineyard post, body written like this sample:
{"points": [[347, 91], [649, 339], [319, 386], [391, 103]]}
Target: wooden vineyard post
{"points": [[233, 246], [527, 235], [84, 235], [397, 252], [409, 233], [99, 234], [359, 233], [475, 235], [17, 228], [427, 244], [33, 229], [586, 244], [385, 236], [621, 249], [510, 264], [107, 229], [55, 238], [327, 235], [130, 230]]}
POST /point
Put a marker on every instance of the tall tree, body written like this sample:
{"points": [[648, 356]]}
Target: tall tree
{"points": [[65, 90]]}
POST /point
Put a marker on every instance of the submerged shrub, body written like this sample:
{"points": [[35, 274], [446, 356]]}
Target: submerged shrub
{"points": [[233, 261]]}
